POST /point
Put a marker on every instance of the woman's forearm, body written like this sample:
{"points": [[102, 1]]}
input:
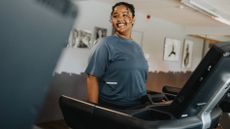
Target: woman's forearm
{"points": [[92, 89]]}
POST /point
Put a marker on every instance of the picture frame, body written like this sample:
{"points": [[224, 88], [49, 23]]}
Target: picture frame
{"points": [[172, 49], [99, 32], [187, 53], [79, 39]]}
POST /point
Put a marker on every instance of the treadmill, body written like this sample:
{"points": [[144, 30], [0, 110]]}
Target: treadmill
{"points": [[195, 107]]}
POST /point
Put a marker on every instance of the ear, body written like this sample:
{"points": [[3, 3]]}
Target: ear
{"points": [[134, 19]]}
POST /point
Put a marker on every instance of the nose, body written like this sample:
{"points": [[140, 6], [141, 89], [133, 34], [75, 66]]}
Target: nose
{"points": [[120, 18]]}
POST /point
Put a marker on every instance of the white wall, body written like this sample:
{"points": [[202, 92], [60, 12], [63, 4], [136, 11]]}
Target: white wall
{"points": [[90, 14], [154, 30]]}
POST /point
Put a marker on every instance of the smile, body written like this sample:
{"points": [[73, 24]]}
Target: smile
{"points": [[121, 25]]}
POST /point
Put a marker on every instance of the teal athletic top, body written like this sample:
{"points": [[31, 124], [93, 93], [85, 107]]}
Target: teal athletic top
{"points": [[121, 69]]}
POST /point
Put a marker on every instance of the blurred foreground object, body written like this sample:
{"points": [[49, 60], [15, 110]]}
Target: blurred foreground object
{"points": [[33, 33]]}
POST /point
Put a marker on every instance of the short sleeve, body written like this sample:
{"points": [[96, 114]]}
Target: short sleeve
{"points": [[98, 60]]}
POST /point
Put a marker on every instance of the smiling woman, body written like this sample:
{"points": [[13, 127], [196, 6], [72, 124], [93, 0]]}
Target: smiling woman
{"points": [[117, 70], [123, 18]]}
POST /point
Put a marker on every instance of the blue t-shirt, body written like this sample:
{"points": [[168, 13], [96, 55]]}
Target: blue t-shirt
{"points": [[121, 69]]}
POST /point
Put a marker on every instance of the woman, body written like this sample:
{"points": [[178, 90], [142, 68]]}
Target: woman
{"points": [[117, 69]]}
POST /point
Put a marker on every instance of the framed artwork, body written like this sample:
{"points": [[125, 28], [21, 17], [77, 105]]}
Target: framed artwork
{"points": [[73, 38], [100, 32], [79, 39], [172, 49], [187, 54]]}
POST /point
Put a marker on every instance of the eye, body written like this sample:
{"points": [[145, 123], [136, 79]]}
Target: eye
{"points": [[125, 15], [115, 16]]}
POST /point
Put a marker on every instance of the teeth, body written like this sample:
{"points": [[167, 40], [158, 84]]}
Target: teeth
{"points": [[120, 25]]}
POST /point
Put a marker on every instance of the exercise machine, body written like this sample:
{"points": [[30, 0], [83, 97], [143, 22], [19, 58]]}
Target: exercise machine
{"points": [[196, 106]]}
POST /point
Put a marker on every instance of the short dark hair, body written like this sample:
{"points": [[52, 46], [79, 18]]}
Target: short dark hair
{"points": [[129, 6]]}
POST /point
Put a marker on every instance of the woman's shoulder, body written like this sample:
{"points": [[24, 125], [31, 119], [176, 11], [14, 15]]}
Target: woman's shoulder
{"points": [[110, 38], [107, 40], [103, 42]]}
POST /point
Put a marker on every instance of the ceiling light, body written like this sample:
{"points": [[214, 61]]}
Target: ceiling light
{"points": [[220, 19], [205, 8]]}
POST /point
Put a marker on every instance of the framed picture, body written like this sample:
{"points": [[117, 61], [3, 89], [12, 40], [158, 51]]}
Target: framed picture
{"points": [[79, 39], [100, 32], [172, 49], [73, 38], [85, 39], [187, 54]]}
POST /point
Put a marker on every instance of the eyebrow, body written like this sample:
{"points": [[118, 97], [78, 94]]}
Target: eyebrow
{"points": [[121, 12]]}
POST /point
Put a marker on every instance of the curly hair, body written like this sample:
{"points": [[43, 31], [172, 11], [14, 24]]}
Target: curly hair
{"points": [[129, 6]]}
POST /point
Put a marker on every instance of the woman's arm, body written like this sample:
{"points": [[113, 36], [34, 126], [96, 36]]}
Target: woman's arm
{"points": [[92, 89]]}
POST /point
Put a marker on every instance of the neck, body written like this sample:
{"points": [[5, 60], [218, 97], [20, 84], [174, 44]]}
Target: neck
{"points": [[126, 36]]}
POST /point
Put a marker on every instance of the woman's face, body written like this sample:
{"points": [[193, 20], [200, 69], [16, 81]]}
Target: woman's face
{"points": [[122, 20]]}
